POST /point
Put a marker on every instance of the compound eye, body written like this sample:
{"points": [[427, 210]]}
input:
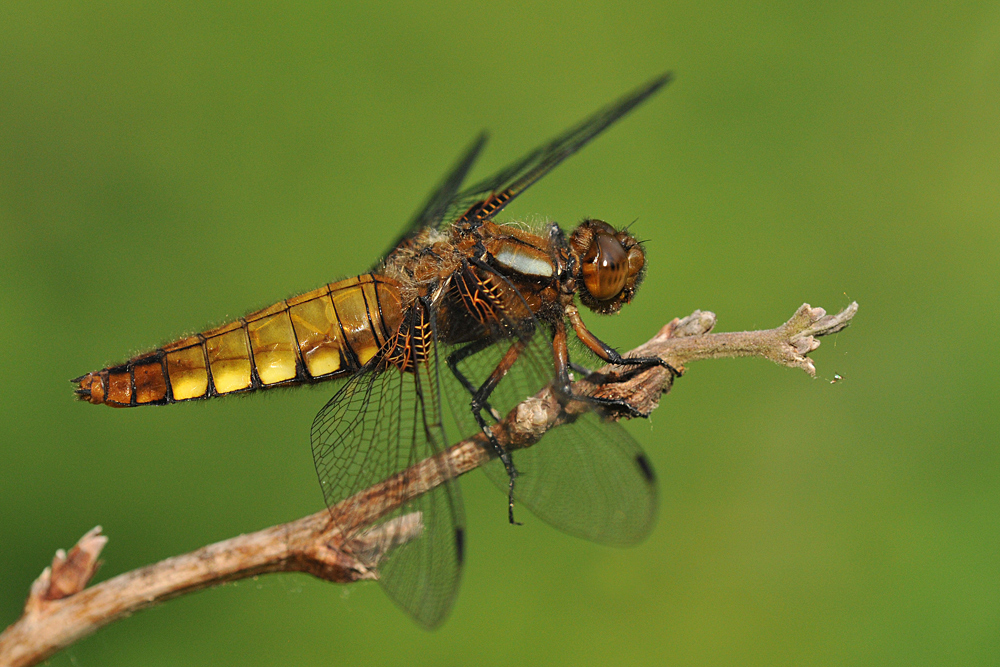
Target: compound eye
{"points": [[605, 267], [636, 260]]}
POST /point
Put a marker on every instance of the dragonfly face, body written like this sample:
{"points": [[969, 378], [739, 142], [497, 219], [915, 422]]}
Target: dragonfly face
{"points": [[463, 313], [612, 264]]}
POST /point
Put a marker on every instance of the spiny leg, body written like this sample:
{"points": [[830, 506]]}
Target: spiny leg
{"points": [[560, 351], [608, 353], [462, 354], [480, 403], [492, 299]]}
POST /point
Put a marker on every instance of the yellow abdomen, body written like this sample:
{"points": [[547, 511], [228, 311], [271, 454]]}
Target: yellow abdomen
{"points": [[327, 333]]}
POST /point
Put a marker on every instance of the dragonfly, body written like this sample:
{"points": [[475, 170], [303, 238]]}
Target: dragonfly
{"points": [[461, 320]]}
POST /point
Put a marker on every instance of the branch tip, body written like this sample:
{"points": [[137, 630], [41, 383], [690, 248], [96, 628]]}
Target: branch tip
{"points": [[806, 326], [70, 572]]}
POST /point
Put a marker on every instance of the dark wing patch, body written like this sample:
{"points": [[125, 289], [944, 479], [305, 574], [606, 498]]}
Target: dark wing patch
{"points": [[382, 422]]}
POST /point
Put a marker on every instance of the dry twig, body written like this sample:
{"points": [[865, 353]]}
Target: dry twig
{"points": [[61, 608]]}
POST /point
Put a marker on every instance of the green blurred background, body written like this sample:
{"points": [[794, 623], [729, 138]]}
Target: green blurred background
{"points": [[165, 167]]}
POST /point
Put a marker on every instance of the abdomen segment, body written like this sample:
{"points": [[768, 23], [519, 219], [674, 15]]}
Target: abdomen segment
{"points": [[327, 333]]}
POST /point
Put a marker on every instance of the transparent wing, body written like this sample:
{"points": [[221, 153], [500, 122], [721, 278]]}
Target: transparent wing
{"points": [[588, 478], [447, 205], [489, 196], [382, 422], [438, 203]]}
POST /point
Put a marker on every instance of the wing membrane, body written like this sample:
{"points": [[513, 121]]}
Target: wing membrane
{"points": [[381, 422], [502, 187], [447, 204], [437, 204], [588, 478]]}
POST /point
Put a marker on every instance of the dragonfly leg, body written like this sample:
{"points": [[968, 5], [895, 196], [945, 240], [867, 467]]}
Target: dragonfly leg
{"points": [[464, 353], [585, 373], [480, 403], [608, 353], [563, 365]]}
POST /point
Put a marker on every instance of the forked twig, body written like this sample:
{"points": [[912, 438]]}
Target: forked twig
{"points": [[61, 609]]}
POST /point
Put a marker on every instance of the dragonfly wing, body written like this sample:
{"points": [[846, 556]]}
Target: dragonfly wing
{"points": [[485, 199], [448, 205], [434, 209], [589, 478], [380, 423]]}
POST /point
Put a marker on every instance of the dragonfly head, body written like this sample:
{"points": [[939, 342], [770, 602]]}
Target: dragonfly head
{"points": [[610, 265]]}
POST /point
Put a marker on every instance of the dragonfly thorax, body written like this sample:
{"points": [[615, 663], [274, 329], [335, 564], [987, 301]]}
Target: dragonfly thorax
{"points": [[528, 253]]}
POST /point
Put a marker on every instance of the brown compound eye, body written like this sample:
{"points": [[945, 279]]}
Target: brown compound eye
{"points": [[636, 260], [605, 267]]}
